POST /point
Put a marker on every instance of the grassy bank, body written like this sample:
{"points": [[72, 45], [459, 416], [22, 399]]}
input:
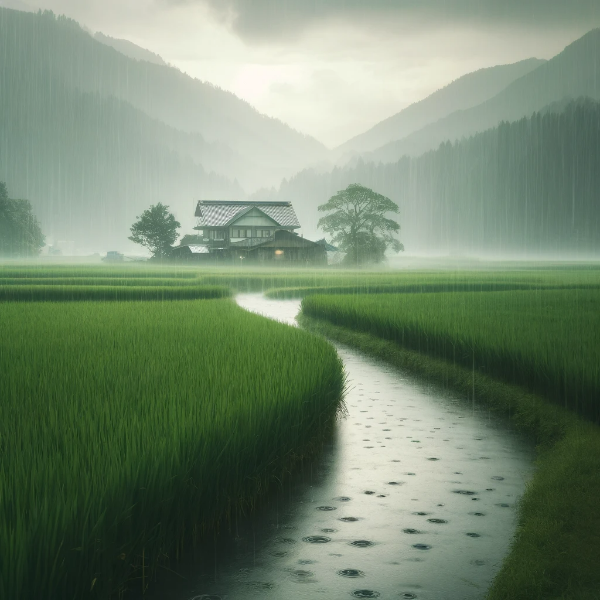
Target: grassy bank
{"points": [[555, 551], [126, 426], [546, 341]]}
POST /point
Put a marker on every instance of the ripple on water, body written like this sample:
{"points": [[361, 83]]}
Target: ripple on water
{"points": [[422, 546], [316, 539], [302, 575], [348, 519], [328, 530], [369, 492], [395, 482], [477, 514], [206, 597], [473, 535], [464, 492], [365, 594], [351, 573], [343, 499], [411, 531], [421, 513], [440, 521], [408, 596], [497, 478], [362, 543], [326, 508]]}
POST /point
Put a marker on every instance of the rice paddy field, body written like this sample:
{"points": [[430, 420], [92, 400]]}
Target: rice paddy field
{"points": [[127, 426], [546, 340], [136, 402]]}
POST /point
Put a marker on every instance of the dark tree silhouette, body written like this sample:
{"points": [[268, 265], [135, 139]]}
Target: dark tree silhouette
{"points": [[156, 230], [358, 224], [20, 232]]}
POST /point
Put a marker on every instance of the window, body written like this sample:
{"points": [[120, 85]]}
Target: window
{"points": [[216, 234], [264, 233]]}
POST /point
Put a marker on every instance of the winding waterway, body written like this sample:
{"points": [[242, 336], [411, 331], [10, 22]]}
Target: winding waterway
{"points": [[414, 497]]}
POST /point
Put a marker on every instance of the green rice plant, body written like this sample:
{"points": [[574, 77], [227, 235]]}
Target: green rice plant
{"points": [[126, 426], [545, 340], [64, 293]]}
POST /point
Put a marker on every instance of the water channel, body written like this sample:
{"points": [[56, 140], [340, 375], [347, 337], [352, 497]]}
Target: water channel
{"points": [[414, 497]]}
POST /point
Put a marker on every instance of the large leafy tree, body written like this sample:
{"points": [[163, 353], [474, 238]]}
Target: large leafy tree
{"points": [[156, 229], [358, 224], [20, 232]]}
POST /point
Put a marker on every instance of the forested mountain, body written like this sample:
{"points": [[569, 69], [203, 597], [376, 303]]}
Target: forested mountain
{"points": [[90, 163], [61, 46], [129, 49], [526, 187], [573, 73], [92, 137], [465, 92]]}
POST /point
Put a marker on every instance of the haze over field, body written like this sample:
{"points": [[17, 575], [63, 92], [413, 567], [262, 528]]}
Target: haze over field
{"points": [[119, 105]]}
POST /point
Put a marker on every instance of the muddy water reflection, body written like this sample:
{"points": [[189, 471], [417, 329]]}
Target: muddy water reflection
{"points": [[414, 498]]}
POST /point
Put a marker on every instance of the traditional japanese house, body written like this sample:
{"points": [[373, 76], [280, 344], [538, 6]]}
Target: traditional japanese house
{"points": [[257, 231]]}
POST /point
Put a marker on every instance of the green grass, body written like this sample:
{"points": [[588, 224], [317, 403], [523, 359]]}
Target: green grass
{"points": [[105, 280], [546, 340], [59, 293], [125, 426]]}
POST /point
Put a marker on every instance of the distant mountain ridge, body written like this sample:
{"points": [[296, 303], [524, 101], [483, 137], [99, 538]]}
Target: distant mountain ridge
{"points": [[573, 73], [130, 49], [162, 92], [465, 92]]}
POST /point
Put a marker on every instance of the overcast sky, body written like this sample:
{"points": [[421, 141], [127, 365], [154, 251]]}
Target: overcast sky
{"points": [[333, 68]]}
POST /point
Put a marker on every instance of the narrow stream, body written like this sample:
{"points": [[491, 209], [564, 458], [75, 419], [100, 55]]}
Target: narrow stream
{"points": [[415, 497]]}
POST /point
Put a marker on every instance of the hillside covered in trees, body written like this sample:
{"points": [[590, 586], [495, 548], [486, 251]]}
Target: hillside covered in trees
{"points": [[530, 186], [93, 137]]}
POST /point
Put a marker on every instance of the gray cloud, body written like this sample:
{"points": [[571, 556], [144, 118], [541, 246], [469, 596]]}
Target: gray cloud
{"points": [[256, 20]]}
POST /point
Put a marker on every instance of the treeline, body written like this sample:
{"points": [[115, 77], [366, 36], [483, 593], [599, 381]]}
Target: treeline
{"points": [[529, 186]]}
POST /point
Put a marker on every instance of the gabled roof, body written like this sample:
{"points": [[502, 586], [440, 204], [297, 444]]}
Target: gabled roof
{"points": [[221, 213]]}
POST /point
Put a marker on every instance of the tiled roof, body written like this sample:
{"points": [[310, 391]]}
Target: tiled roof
{"points": [[219, 213]]}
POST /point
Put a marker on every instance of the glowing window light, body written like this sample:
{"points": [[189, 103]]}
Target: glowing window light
{"points": [[279, 252]]}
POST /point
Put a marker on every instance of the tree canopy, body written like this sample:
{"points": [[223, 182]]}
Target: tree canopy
{"points": [[156, 229], [20, 232], [358, 224]]}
